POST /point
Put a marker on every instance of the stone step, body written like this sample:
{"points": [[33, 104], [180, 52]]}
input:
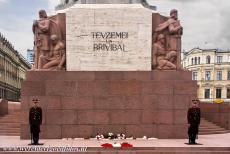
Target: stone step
{"points": [[212, 129], [10, 130], [10, 116], [202, 123], [10, 123], [207, 127], [10, 134], [213, 132], [9, 126]]}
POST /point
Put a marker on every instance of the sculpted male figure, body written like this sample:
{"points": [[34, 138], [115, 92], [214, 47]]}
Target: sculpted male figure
{"points": [[41, 30], [161, 58], [173, 24], [57, 56]]}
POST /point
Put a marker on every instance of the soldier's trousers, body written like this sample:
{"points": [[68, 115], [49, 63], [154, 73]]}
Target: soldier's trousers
{"points": [[35, 130], [35, 137], [192, 132]]}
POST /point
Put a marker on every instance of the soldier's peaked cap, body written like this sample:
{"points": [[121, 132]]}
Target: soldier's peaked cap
{"points": [[35, 100], [195, 100]]}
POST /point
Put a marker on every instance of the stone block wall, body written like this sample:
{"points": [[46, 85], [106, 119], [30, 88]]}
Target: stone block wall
{"points": [[137, 103]]}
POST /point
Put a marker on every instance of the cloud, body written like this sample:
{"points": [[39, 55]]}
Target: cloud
{"points": [[20, 40], [52, 4], [2, 2], [20, 36], [206, 22]]}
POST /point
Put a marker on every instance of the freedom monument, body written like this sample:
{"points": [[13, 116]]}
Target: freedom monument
{"points": [[103, 68]]}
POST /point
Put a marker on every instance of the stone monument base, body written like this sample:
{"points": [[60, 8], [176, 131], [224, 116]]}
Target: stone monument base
{"points": [[82, 104]]}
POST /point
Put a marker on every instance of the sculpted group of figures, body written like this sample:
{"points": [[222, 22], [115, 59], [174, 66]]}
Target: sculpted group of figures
{"points": [[49, 43], [167, 44]]}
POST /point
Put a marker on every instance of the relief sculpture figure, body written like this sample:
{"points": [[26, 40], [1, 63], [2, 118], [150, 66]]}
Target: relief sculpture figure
{"points": [[49, 42], [41, 30], [57, 56], [162, 59]]}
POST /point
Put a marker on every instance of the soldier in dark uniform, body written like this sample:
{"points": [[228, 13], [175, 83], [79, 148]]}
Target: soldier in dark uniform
{"points": [[35, 119], [193, 117]]}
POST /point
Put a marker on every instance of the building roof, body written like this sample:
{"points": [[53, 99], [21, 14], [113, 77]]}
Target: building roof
{"points": [[195, 50], [8, 44]]}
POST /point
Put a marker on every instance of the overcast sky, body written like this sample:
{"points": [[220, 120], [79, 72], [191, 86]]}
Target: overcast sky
{"points": [[206, 22]]}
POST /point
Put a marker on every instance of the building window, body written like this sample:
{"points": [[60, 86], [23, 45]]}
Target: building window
{"points": [[228, 58], [194, 75], [219, 59], [218, 92], [198, 60], [192, 61], [218, 75], [228, 92], [207, 75], [208, 60], [207, 93], [228, 77], [195, 60]]}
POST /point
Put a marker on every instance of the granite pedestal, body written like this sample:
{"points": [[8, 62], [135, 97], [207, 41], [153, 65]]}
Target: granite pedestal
{"points": [[82, 104]]}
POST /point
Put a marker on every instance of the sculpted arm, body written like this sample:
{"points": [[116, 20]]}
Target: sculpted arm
{"points": [[44, 26], [162, 26], [175, 29], [63, 56]]}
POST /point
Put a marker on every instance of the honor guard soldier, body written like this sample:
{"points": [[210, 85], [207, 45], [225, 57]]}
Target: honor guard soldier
{"points": [[193, 117], [35, 120]]}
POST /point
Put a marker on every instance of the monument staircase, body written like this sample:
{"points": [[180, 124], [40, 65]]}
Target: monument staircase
{"points": [[10, 124], [207, 127]]}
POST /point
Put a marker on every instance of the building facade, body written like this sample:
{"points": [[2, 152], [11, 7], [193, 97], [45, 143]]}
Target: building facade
{"points": [[30, 56], [211, 69], [13, 67]]}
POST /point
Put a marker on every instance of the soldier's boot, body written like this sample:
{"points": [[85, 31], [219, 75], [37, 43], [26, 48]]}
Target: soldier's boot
{"points": [[193, 139], [190, 139]]}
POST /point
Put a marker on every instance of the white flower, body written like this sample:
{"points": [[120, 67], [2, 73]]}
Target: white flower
{"points": [[116, 145], [145, 137]]}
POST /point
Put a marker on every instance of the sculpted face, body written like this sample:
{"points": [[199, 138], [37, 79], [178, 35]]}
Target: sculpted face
{"points": [[161, 38], [54, 39], [42, 14], [174, 14]]}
